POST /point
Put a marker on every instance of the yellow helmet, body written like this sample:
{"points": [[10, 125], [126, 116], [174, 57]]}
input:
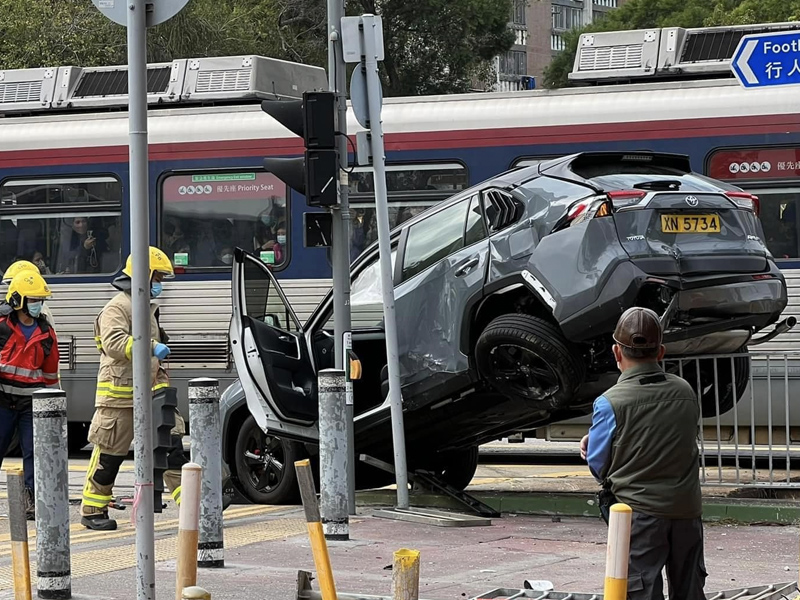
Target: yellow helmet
{"points": [[26, 285], [18, 267], [158, 262]]}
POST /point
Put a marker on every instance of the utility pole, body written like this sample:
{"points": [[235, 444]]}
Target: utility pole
{"points": [[137, 16], [340, 216]]}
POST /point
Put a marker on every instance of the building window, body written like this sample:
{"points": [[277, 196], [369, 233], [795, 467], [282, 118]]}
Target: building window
{"points": [[566, 17], [518, 16], [514, 62], [204, 216], [64, 225], [557, 43]]}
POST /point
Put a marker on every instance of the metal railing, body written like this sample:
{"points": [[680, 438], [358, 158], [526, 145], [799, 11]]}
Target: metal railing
{"points": [[747, 420]]}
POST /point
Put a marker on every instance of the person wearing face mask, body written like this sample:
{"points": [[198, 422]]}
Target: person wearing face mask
{"points": [[225, 256], [24, 265], [111, 430], [642, 448], [28, 362]]}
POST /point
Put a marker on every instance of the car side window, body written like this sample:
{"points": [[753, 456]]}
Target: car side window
{"points": [[476, 227], [434, 238], [263, 302]]}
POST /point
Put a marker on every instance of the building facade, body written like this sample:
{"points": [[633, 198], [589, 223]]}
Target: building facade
{"points": [[539, 27]]}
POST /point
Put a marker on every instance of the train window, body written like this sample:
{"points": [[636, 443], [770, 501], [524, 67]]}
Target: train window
{"points": [[204, 216], [65, 225], [779, 219], [411, 189]]}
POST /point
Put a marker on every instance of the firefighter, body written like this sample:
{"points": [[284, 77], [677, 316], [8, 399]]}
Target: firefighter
{"points": [[24, 265], [111, 430], [28, 362]]}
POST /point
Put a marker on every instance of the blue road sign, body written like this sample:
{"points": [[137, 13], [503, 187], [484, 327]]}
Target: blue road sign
{"points": [[768, 59]]}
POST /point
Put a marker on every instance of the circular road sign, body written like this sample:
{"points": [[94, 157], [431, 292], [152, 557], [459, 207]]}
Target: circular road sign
{"points": [[157, 11]]}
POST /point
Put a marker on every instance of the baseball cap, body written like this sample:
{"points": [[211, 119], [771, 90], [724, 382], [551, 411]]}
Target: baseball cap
{"points": [[639, 329]]}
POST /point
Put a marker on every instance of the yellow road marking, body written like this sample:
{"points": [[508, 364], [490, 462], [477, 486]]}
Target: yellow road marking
{"points": [[96, 562], [79, 534]]}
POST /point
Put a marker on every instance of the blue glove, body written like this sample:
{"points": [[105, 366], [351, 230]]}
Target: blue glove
{"points": [[161, 351]]}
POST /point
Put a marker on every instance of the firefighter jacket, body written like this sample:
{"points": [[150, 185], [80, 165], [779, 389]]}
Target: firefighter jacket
{"points": [[113, 329], [25, 365]]}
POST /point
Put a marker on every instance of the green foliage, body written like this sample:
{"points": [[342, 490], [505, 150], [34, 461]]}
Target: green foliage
{"points": [[432, 46], [641, 14]]}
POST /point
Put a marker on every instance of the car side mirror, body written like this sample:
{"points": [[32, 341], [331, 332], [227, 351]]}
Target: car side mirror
{"points": [[272, 320]]}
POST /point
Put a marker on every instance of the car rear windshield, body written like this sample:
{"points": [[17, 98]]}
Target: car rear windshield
{"points": [[689, 182]]}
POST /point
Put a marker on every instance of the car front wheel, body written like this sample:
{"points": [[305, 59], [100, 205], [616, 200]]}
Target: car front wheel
{"points": [[527, 357], [265, 465]]}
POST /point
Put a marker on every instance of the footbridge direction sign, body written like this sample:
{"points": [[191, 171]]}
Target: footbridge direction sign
{"points": [[768, 59]]}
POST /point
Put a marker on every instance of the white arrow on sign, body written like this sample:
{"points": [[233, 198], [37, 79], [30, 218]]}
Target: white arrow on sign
{"points": [[743, 62]]}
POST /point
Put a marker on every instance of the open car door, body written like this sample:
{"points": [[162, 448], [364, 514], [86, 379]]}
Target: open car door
{"points": [[271, 353]]}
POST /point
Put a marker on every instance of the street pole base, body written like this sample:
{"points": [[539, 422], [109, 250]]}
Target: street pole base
{"points": [[336, 530]]}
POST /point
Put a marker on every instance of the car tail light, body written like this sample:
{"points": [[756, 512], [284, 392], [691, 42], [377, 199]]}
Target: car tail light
{"points": [[588, 209], [746, 200], [765, 276], [622, 198]]}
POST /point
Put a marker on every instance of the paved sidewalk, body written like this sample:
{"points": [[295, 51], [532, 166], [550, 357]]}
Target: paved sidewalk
{"points": [[265, 550]]}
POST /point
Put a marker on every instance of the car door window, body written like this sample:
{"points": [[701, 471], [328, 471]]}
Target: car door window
{"points": [[434, 238], [264, 302], [476, 227], [366, 296]]}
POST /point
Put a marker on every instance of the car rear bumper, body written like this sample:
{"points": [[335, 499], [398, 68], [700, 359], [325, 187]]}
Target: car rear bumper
{"points": [[741, 300]]}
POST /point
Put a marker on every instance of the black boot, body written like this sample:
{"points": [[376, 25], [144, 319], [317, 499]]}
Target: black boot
{"points": [[99, 522], [30, 505]]}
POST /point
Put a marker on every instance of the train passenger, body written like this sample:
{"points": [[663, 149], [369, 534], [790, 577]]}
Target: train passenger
{"points": [[28, 362], [38, 260], [642, 447], [80, 248], [111, 430]]}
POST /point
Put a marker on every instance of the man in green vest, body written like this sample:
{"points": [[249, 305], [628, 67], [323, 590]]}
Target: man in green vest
{"points": [[642, 447]]}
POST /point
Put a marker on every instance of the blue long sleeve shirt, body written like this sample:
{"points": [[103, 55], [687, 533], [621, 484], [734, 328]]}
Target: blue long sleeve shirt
{"points": [[601, 437]]}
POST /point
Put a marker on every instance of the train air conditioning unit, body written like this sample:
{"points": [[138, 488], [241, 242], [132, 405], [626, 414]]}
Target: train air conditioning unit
{"points": [[105, 87], [26, 90], [668, 53], [249, 77]]}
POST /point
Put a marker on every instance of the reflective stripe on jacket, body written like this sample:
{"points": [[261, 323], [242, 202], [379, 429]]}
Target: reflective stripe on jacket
{"points": [[112, 334], [25, 365]]}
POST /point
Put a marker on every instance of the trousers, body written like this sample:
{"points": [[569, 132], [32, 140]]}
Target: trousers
{"points": [[21, 421], [111, 432], [676, 544]]}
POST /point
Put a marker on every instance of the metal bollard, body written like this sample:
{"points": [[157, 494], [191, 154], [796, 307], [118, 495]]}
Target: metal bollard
{"points": [[53, 572], [195, 593], [20, 559], [618, 554], [333, 455], [319, 548], [186, 568], [206, 436], [405, 575]]}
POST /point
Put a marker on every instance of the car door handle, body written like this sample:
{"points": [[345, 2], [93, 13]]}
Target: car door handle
{"points": [[285, 338], [467, 266]]}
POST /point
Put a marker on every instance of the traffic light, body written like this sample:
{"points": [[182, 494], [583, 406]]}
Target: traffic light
{"points": [[312, 118]]}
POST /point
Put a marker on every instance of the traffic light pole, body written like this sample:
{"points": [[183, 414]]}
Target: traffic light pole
{"points": [[340, 217]]}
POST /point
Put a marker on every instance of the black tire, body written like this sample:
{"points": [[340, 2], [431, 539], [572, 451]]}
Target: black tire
{"points": [[728, 396], [457, 468], [265, 465], [77, 436], [527, 357]]}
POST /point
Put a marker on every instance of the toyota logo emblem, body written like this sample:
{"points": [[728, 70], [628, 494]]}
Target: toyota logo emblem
{"points": [[692, 201]]}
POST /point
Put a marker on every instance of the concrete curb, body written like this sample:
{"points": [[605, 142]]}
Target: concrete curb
{"points": [[584, 505]]}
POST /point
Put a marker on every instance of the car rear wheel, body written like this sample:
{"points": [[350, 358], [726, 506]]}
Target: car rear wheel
{"points": [[732, 381], [265, 465], [527, 357], [457, 468]]}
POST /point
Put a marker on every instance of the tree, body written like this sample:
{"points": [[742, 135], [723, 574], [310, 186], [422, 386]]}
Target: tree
{"points": [[432, 46], [641, 14]]}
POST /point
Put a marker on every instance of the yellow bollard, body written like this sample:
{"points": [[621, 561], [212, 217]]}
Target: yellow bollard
{"points": [[618, 553], [195, 593], [20, 559], [405, 575], [188, 522], [319, 547]]}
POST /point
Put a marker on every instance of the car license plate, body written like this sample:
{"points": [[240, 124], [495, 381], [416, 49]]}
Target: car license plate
{"points": [[690, 224]]}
